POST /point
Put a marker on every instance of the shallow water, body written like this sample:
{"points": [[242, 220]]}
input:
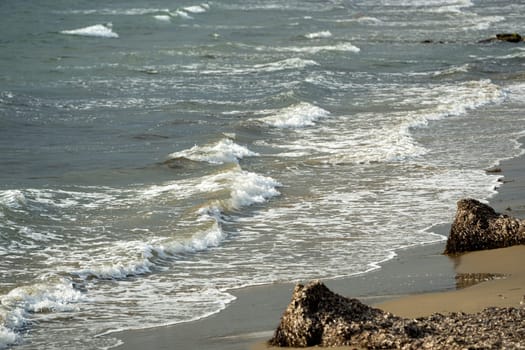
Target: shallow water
{"points": [[155, 156]]}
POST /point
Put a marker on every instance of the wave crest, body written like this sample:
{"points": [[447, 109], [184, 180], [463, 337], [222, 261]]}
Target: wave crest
{"points": [[224, 151], [97, 30], [296, 116], [318, 35]]}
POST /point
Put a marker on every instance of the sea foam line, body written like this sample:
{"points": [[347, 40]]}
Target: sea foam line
{"points": [[318, 35], [293, 63], [296, 116], [122, 260], [49, 294], [224, 151], [344, 47], [132, 258], [392, 141], [97, 30], [195, 9]]}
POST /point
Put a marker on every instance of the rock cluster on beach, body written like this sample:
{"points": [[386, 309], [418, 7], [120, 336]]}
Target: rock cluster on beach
{"points": [[318, 317], [478, 227]]}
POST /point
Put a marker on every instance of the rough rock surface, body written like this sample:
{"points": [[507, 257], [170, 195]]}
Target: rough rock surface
{"points": [[318, 317], [477, 227], [508, 37]]}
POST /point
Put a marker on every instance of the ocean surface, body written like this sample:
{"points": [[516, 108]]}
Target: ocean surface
{"points": [[155, 155]]}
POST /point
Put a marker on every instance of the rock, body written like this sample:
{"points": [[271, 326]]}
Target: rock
{"points": [[508, 37], [494, 170], [318, 317], [511, 38], [478, 227], [430, 41]]}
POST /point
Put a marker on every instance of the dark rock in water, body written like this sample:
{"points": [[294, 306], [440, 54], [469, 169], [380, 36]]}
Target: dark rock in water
{"points": [[318, 317], [430, 41], [478, 227], [508, 37], [511, 38], [495, 170]]}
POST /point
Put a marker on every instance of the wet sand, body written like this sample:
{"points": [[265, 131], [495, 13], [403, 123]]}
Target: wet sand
{"points": [[252, 317], [418, 281], [506, 289]]}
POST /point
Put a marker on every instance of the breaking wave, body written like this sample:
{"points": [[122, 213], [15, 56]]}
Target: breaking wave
{"points": [[345, 47], [318, 35], [224, 151], [299, 115], [97, 30]]}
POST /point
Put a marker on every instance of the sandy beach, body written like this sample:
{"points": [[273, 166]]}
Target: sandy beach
{"points": [[418, 281], [505, 287]]}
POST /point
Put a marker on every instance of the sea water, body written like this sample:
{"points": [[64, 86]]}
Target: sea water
{"points": [[156, 155]]}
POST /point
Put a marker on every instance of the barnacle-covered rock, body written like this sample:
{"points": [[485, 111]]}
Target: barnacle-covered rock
{"points": [[318, 317], [477, 226]]}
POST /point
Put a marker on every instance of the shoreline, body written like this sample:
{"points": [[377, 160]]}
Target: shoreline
{"points": [[415, 272], [251, 319]]}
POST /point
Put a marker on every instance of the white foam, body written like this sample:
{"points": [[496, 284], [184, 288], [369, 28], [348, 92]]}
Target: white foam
{"points": [[224, 151], [476, 22], [246, 188], [293, 63], [296, 116], [344, 47], [369, 20], [13, 199], [318, 35], [230, 190], [116, 11], [43, 297], [129, 258], [49, 295], [197, 8], [388, 143], [516, 92], [7, 337], [157, 190], [135, 258], [391, 139], [162, 18], [453, 70], [134, 11], [208, 239], [458, 99], [250, 188], [365, 20], [289, 63], [519, 53], [428, 4], [182, 14], [42, 200], [97, 30]]}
